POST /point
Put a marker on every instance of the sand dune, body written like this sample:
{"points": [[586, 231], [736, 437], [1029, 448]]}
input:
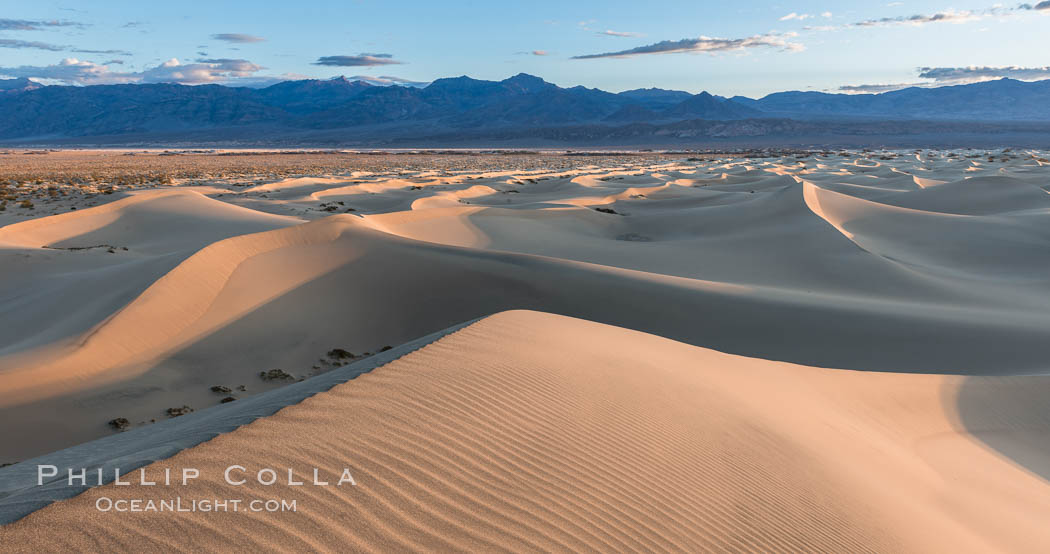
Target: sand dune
{"points": [[65, 274], [906, 266], [549, 433]]}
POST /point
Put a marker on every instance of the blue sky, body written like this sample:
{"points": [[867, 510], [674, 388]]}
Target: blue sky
{"points": [[728, 48]]}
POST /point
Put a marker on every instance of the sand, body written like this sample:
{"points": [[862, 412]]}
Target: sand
{"points": [[529, 432], [823, 351]]}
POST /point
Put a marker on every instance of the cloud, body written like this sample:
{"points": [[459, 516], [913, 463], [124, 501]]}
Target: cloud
{"points": [[779, 41], [623, 33], [794, 16], [112, 52], [947, 76], [30, 25], [212, 71], [876, 89], [387, 80], [237, 37], [11, 43], [975, 73], [73, 71], [826, 15], [70, 71], [361, 60], [949, 16], [221, 61], [539, 52], [35, 45]]}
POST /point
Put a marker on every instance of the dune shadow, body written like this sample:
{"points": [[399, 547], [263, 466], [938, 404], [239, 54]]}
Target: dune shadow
{"points": [[1010, 415]]}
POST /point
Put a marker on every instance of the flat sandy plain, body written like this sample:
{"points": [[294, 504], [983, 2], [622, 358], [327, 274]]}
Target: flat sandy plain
{"points": [[832, 351]]}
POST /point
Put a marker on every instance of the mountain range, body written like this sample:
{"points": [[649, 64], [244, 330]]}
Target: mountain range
{"points": [[462, 109]]}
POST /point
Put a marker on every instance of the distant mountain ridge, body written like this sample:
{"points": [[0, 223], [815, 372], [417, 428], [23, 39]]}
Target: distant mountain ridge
{"points": [[30, 111], [999, 100]]}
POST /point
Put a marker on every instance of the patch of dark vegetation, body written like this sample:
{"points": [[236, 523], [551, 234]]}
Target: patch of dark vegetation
{"points": [[275, 375], [176, 412], [227, 399], [331, 206], [222, 389], [607, 211], [110, 248], [120, 423], [340, 354], [634, 237], [385, 348]]}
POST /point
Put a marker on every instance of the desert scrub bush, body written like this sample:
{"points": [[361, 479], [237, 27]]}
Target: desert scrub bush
{"points": [[275, 375], [176, 412]]}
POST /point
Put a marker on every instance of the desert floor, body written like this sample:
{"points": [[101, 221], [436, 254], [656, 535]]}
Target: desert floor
{"points": [[832, 351]]}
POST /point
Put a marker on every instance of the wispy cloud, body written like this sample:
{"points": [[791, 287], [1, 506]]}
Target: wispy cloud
{"points": [[237, 37], [619, 33], [34, 25], [794, 16], [947, 16], [975, 73], [917, 20], [946, 76], [110, 52], [778, 41], [73, 71], [539, 52], [360, 60], [876, 88], [37, 45], [12, 43]]}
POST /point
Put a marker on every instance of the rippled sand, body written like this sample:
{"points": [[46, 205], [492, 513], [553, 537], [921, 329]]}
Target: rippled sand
{"points": [[682, 405]]}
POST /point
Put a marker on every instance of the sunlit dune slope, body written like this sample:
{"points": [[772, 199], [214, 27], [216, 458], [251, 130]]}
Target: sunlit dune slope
{"points": [[533, 432]]}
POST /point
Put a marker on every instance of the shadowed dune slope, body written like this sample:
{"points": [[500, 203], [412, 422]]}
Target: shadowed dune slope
{"points": [[532, 432], [62, 275]]}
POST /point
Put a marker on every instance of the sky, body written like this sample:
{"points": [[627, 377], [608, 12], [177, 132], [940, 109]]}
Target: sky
{"points": [[726, 48]]}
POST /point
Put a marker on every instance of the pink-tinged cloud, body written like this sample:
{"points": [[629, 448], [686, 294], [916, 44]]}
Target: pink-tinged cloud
{"points": [[778, 41]]}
